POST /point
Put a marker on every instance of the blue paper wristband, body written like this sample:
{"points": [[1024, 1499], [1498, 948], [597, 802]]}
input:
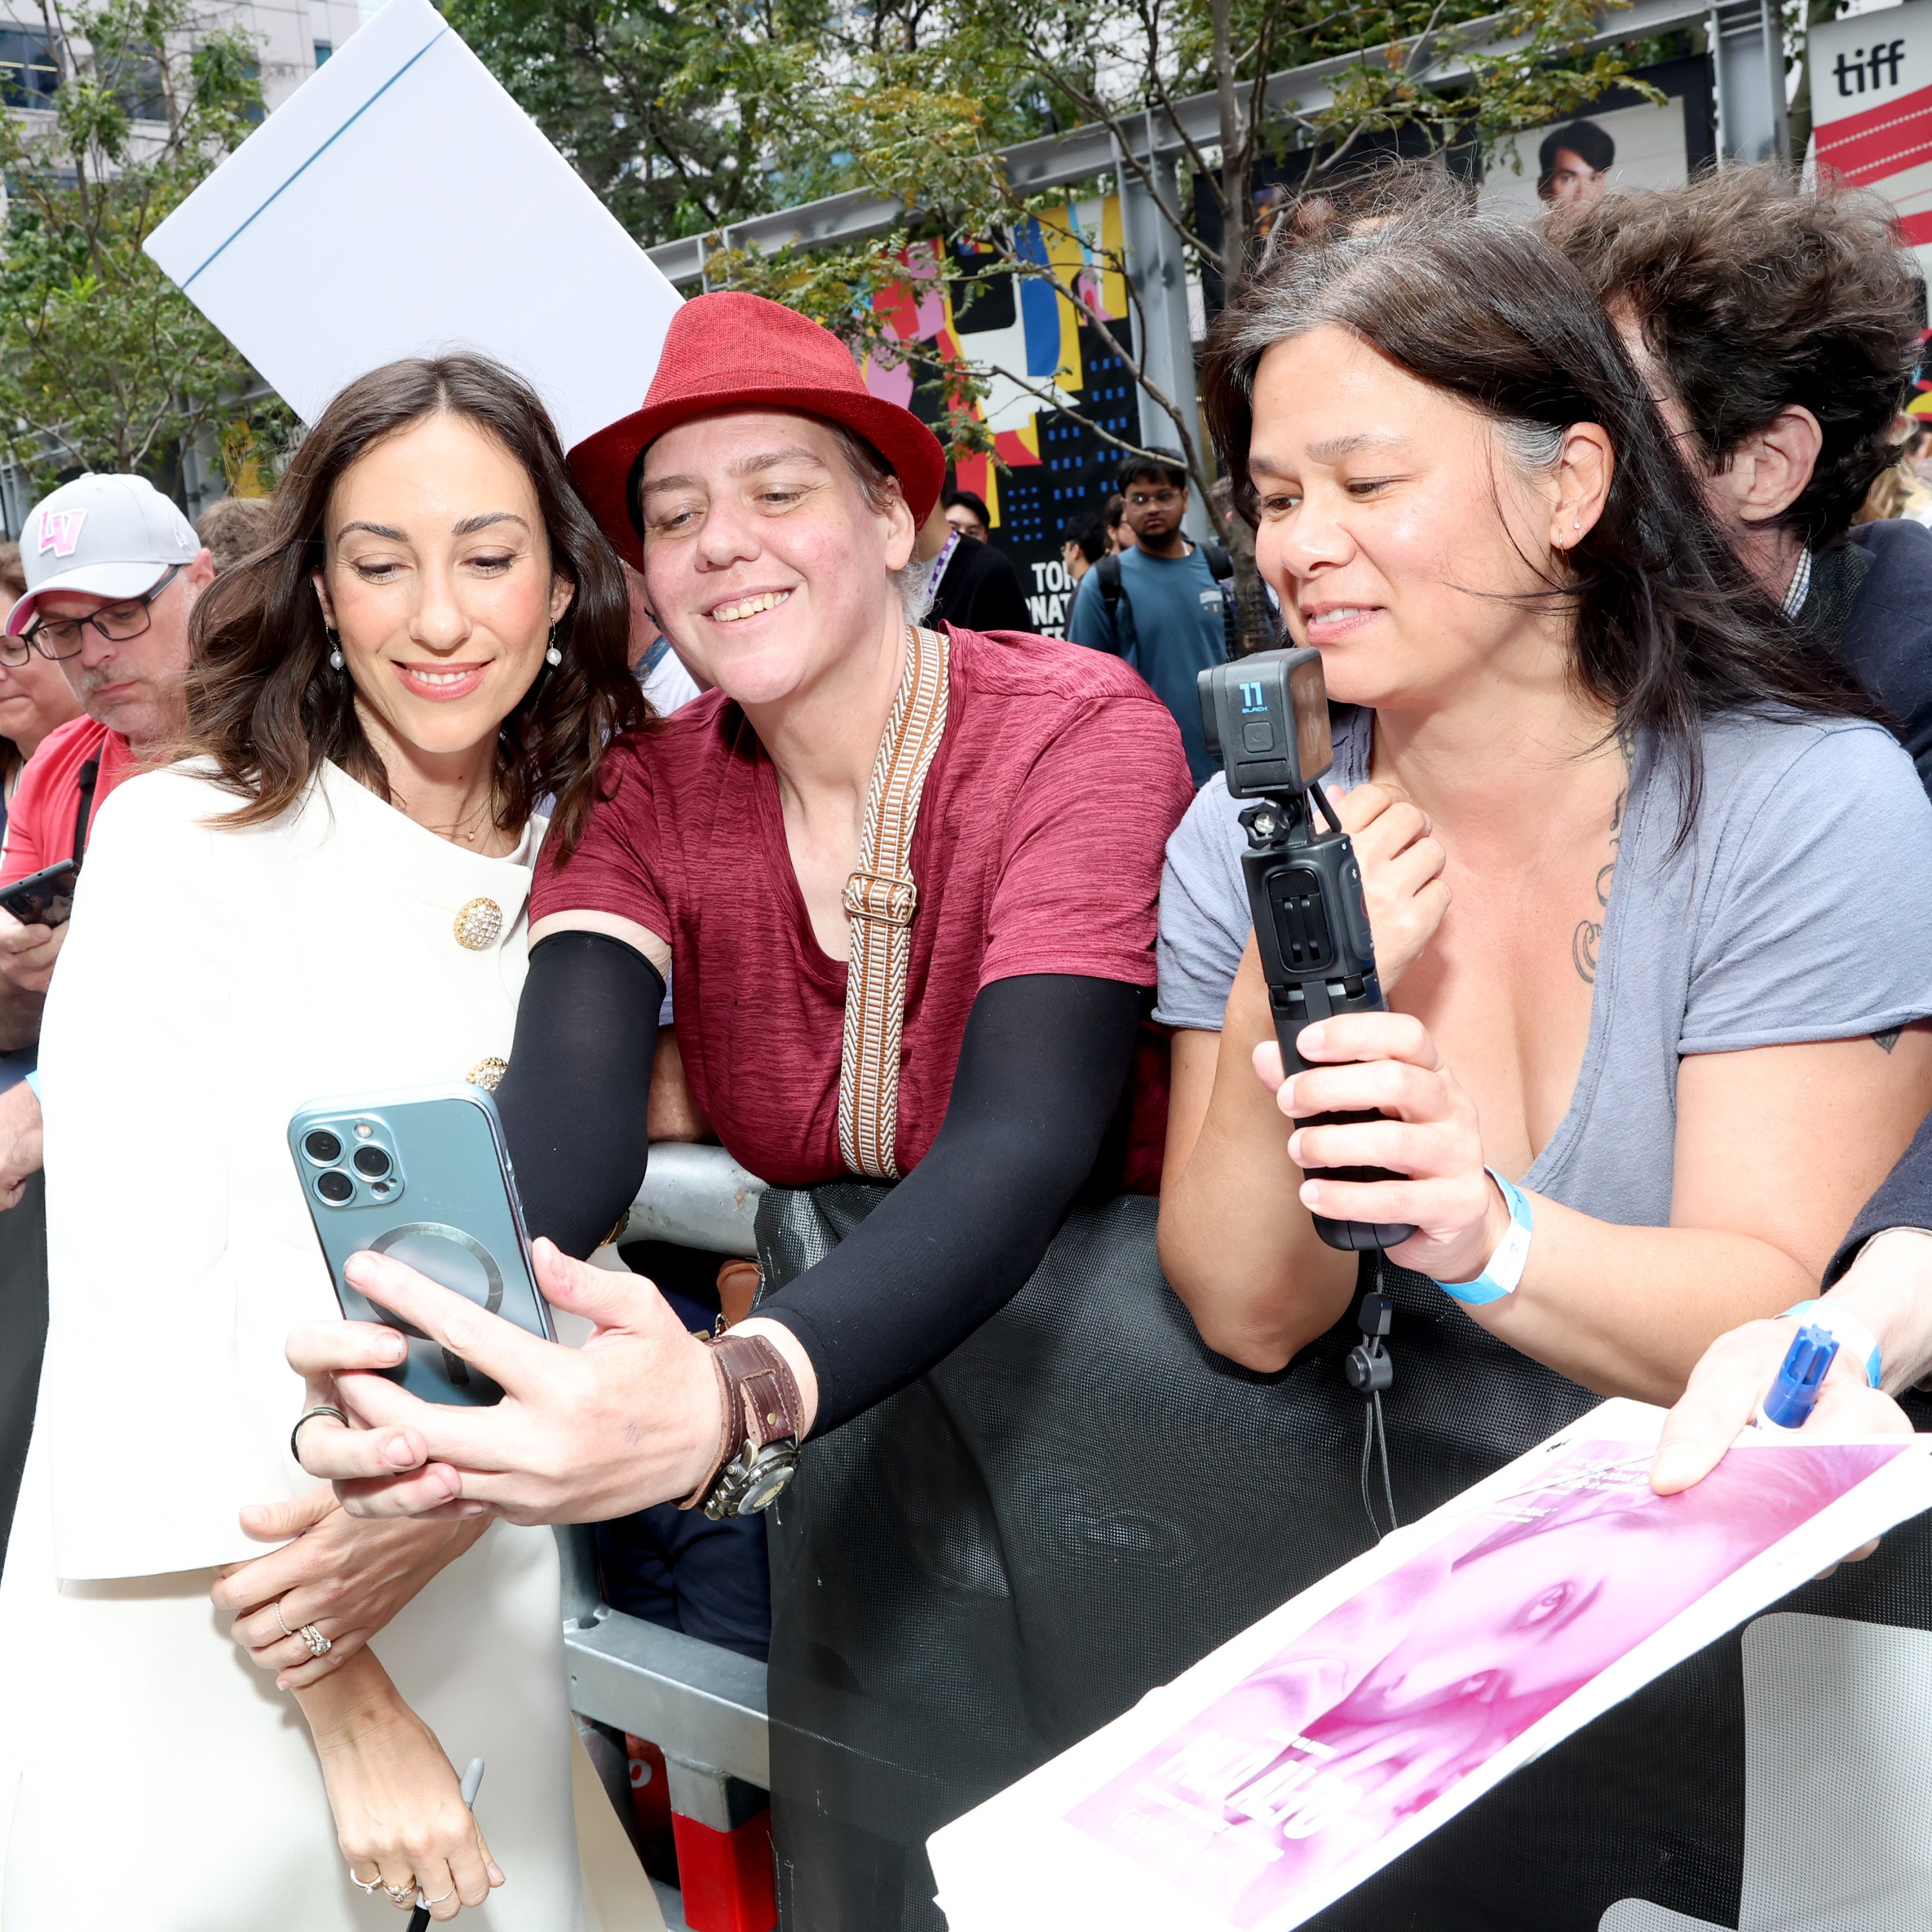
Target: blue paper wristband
{"points": [[1506, 1265]]}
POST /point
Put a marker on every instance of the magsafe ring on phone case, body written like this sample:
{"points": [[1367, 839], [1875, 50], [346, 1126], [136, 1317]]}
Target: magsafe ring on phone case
{"points": [[449, 1257]]}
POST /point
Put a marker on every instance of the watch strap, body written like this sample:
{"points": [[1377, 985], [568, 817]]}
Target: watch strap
{"points": [[760, 1402], [1505, 1266]]}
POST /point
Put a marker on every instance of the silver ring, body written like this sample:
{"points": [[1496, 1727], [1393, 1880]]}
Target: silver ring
{"points": [[309, 1415], [286, 1630], [318, 1645], [450, 1894], [370, 1887]]}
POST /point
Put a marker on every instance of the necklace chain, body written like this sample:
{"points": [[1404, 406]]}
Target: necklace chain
{"points": [[470, 837]]}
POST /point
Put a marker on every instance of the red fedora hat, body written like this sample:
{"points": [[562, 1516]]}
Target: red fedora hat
{"points": [[732, 351]]}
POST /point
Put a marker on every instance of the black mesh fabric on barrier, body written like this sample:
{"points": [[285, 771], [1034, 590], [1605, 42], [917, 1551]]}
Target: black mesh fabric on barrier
{"points": [[1083, 1500]]}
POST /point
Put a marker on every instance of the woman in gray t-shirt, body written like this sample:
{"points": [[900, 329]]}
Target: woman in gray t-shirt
{"points": [[1648, 896]]}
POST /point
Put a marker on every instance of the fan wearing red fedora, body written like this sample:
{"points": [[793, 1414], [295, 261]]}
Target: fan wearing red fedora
{"points": [[906, 882]]}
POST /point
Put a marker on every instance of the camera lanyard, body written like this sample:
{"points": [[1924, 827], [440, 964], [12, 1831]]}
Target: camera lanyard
{"points": [[1370, 1369]]}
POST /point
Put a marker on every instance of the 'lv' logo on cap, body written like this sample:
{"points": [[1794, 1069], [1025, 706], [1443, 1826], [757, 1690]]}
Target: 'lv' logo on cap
{"points": [[60, 531]]}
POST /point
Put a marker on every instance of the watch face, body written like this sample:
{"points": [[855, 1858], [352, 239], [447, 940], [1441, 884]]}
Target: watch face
{"points": [[766, 1485]]}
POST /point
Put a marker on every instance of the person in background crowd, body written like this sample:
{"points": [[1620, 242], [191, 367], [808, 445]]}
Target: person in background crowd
{"points": [[1521, 785], [1573, 164], [968, 514], [972, 581], [1899, 492], [35, 698], [432, 643], [1119, 532], [235, 527], [1083, 542], [776, 535], [1778, 329], [1164, 606], [111, 572], [658, 669], [1917, 450]]}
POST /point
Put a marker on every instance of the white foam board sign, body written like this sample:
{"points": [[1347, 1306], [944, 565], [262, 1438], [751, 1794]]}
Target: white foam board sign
{"points": [[400, 203]]}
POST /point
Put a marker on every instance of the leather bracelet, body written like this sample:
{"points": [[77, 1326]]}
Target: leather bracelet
{"points": [[759, 1398]]}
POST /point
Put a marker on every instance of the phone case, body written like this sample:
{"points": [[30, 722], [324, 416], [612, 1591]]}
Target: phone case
{"points": [[45, 898], [423, 1175]]}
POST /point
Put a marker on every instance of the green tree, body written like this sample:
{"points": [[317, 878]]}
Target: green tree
{"points": [[103, 363]]}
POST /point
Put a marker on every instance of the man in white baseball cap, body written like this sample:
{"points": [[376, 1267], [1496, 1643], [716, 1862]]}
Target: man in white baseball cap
{"points": [[113, 570]]}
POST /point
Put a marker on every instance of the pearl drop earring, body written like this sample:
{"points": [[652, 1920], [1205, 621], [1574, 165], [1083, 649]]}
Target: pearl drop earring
{"points": [[553, 656], [335, 648]]}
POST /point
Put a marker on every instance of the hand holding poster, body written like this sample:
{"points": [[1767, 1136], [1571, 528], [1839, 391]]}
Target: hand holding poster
{"points": [[1299, 1759]]}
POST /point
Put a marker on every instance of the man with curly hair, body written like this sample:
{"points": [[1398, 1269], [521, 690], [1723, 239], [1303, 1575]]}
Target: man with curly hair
{"points": [[1778, 329]]}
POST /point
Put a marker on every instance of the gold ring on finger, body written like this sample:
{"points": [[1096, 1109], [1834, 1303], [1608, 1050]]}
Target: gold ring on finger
{"points": [[398, 1893], [450, 1894]]}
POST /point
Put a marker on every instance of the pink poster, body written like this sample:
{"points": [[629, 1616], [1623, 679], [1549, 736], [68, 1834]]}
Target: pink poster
{"points": [[1253, 1808]]}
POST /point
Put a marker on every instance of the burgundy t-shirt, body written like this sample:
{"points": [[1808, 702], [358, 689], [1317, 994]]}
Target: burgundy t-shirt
{"points": [[1038, 850]]}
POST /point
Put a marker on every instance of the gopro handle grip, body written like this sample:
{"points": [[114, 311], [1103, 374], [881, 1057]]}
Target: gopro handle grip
{"points": [[1319, 958]]}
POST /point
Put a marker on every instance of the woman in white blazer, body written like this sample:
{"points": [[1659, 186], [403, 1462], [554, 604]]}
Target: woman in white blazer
{"points": [[327, 895]]}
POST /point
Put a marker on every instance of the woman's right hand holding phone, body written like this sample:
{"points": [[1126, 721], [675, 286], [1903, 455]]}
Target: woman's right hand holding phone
{"points": [[400, 1816]]}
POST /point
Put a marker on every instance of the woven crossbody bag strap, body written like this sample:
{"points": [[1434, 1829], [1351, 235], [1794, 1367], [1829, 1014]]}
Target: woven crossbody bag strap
{"points": [[880, 899]]}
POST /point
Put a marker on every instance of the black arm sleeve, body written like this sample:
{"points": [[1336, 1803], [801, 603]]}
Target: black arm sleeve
{"points": [[575, 1100], [1903, 1200], [1045, 1060]]}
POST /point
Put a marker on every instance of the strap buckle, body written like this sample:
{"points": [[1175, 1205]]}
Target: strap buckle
{"points": [[871, 895]]}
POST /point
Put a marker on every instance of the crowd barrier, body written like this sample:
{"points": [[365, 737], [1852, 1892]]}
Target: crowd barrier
{"points": [[702, 1706], [1082, 1500]]}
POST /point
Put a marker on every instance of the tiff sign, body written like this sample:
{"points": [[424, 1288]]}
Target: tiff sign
{"points": [[1871, 94]]}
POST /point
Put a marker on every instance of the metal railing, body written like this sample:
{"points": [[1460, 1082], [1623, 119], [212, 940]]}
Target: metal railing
{"points": [[702, 1706]]}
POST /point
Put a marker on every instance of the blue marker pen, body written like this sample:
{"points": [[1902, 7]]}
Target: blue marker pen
{"points": [[1794, 1392]]}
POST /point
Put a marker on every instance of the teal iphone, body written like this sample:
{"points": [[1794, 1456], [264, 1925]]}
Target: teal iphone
{"points": [[423, 1176]]}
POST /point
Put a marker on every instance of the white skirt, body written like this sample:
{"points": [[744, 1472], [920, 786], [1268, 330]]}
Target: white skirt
{"points": [[160, 1783]]}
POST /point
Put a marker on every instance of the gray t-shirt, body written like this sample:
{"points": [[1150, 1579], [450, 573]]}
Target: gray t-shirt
{"points": [[1797, 908]]}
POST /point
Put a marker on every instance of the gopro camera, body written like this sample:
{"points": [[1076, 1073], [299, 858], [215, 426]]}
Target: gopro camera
{"points": [[1266, 717]]}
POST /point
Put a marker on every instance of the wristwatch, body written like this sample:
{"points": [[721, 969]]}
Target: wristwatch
{"points": [[757, 1447]]}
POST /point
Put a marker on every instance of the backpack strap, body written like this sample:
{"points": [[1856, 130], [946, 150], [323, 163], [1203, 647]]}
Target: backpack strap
{"points": [[880, 899], [1221, 568], [90, 773]]}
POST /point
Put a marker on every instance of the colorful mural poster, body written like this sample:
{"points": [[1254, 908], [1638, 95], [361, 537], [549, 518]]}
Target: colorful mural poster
{"points": [[1040, 348]]}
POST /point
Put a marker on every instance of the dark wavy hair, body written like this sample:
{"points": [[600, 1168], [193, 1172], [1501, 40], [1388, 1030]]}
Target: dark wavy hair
{"points": [[1755, 292], [262, 703], [1669, 627]]}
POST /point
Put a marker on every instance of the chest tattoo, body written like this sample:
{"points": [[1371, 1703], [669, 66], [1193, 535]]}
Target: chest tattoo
{"points": [[1588, 937]]}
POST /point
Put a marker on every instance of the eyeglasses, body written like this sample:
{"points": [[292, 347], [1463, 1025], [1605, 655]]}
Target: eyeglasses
{"points": [[56, 638], [1141, 498]]}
